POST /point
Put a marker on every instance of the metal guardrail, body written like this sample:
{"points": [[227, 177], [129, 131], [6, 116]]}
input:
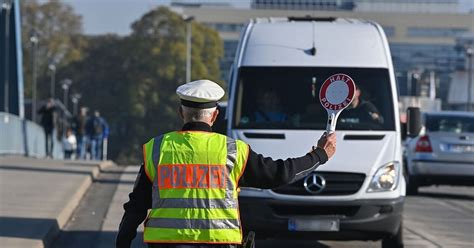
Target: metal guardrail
{"points": [[23, 137]]}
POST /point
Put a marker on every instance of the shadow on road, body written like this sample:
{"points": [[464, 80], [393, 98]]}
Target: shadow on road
{"points": [[451, 196], [93, 239], [288, 243]]}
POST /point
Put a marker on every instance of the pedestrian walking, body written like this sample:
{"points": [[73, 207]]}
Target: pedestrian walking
{"points": [[80, 131], [96, 127], [190, 178], [48, 121]]}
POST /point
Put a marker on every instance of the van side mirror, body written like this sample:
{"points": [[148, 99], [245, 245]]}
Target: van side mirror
{"points": [[220, 126], [403, 129], [413, 121]]}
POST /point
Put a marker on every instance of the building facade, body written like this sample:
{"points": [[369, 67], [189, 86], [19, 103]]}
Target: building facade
{"points": [[304, 4]]}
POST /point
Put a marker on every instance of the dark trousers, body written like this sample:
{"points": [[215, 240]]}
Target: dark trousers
{"points": [[67, 154], [49, 142], [81, 147], [96, 147]]}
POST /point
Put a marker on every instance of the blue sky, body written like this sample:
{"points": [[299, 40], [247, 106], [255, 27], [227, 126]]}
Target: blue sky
{"points": [[115, 16]]}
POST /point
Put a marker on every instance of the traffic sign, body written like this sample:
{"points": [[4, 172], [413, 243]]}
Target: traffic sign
{"points": [[336, 93]]}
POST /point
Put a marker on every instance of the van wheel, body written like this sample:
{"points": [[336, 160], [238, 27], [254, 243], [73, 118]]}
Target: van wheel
{"points": [[412, 186], [395, 241]]}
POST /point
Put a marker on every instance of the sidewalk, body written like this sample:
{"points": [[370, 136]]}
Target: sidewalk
{"points": [[37, 197], [115, 212]]}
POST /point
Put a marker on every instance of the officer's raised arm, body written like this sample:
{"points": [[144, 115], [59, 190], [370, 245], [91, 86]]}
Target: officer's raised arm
{"points": [[264, 172]]}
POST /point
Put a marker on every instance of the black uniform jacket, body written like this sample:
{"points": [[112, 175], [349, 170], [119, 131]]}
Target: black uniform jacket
{"points": [[260, 172]]}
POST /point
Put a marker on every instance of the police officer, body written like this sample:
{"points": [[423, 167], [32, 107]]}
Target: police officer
{"points": [[190, 177]]}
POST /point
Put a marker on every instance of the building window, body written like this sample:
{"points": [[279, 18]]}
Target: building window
{"points": [[226, 27], [435, 32], [389, 30]]}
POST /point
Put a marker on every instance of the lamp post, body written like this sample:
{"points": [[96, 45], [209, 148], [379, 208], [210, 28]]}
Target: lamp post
{"points": [[189, 22], [469, 53], [52, 68], [417, 77], [75, 100], [65, 84], [413, 74], [6, 6], [34, 44]]}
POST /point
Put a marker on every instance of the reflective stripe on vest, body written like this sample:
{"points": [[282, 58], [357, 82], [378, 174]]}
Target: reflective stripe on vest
{"points": [[195, 176]]}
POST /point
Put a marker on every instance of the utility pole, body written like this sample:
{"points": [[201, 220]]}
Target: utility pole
{"points": [[34, 44], [6, 6], [469, 53], [432, 85], [52, 68], [189, 22], [75, 100], [409, 83], [66, 83]]}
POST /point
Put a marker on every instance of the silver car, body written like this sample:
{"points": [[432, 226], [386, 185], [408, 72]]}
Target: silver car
{"points": [[443, 153]]}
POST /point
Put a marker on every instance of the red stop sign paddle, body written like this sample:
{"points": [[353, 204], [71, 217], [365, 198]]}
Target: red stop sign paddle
{"points": [[336, 93]]}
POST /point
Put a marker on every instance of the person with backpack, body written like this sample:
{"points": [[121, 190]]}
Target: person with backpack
{"points": [[95, 129]]}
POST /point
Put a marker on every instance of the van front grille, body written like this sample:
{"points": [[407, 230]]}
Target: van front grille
{"points": [[309, 210], [336, 184]]}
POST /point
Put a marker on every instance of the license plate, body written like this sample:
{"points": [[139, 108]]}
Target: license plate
{"points": [[322, 225], [461, 148]]}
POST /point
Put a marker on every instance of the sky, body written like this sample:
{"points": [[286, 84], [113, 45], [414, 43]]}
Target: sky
{"points": [[116, 16]]}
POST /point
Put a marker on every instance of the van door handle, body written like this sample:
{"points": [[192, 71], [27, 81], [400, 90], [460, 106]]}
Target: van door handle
{"points": [[264, 135], [363, 137]]}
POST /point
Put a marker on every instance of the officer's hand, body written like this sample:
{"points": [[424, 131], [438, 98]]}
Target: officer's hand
{"points": [[328, 144]]}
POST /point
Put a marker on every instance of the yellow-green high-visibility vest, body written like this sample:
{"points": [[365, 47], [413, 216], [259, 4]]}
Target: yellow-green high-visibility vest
{"points": [[194, 176]]}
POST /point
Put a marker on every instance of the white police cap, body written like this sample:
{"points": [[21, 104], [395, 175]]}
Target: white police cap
{"points": [[200, 94]]}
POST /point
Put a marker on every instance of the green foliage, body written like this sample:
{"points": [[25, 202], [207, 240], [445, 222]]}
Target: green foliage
{"points": [[132, 80], [58, 30]]}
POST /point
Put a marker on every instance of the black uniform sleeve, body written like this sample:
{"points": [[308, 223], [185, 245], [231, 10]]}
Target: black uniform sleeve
{"points": [[135, 210], [264, 172]]}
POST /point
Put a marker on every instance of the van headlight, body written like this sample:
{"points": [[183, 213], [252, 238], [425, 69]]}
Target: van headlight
{"points": [[385, 178]]}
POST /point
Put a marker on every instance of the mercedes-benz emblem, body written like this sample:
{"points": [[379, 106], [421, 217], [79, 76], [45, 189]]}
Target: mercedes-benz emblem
{"points": [[314, 183]]}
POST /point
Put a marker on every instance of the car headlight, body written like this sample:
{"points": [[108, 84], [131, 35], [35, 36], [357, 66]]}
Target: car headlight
{"points": [[385, 178]]}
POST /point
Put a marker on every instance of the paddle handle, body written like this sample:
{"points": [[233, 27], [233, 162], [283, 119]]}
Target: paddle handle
{"points": [[331, 125]]}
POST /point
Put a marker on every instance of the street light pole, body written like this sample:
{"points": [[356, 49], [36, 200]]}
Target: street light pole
{"points": [[417, 77], [52, 68], [469, 53], [75, 100], [66, 83], [34, 44], [7, 7], [189, 22], [409, 82]]}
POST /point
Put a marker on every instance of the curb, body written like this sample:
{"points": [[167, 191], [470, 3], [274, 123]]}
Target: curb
{"points": [[68, 210]]}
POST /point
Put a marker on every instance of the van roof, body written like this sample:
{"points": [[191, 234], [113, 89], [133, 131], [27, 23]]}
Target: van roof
{"points": [[339, 42], [305, 19]]}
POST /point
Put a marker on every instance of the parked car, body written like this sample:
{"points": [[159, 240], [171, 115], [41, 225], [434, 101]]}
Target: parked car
{"points": [[443, 153], [273, 105]]}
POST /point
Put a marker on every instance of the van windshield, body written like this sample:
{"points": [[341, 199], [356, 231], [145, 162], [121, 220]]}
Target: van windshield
{"points": [[288, 98]]}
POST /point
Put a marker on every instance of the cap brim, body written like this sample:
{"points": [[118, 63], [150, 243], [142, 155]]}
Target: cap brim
{"points": [[199, 105]]}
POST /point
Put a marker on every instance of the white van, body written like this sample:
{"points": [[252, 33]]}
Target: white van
{"points": [[273, 105]]}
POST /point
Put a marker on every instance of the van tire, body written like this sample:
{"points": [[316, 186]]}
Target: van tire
{"points": [[412, 186], [394, 241]]}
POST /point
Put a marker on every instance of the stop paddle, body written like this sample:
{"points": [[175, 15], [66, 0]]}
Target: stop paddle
{"points": [[336, 93]]}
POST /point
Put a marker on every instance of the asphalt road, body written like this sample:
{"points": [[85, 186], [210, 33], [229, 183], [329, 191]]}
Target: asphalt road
{"points": [[437, 217]]}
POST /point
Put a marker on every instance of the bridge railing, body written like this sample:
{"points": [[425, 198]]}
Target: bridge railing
{"points": [[23, 137]]}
